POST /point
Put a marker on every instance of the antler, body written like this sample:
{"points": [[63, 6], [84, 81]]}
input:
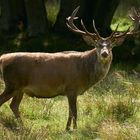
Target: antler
{"points": [[73, 28], [134, 15], [95, 35]]}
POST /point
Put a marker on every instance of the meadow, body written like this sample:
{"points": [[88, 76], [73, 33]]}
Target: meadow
{"points": [[109, 110]]}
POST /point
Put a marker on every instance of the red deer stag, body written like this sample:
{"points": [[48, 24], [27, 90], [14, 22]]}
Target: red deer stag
{"points": [[46, 75]]}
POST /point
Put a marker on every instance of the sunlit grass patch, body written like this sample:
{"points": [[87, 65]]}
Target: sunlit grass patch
{"points": [[110, 129], [52, 8]]}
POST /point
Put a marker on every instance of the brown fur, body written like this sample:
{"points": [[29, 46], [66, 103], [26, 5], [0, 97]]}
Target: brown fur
{"points": [[46, 75]]}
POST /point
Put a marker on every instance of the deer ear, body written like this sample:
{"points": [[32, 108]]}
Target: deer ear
{"points": [[119, 41], [89, 40]]}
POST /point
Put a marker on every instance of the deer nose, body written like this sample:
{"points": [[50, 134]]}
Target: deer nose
{"points": [[104, 54]]}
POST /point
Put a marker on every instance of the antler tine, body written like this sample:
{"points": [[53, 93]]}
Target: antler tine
{"points": [[136, 10], [73, 28], [127, 32], [96, 31], [135, 17], [134, 14], [71, 18], [75, 12], [91, 34], [114, 32], [70, 23]]}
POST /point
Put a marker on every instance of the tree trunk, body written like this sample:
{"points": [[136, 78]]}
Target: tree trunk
{"points": [[36, 17], [11, 13], [6, 16], [19, 13]]}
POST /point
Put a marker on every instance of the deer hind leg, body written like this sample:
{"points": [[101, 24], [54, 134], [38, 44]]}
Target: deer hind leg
{"points": [[7, 94], [14, 105], [72, 112]]}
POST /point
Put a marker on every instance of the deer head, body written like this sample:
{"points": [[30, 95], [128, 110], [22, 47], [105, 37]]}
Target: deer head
{"points": [[103, 45]]}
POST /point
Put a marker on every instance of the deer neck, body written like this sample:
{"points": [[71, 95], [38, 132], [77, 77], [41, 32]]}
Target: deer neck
{"points": [[96, 68]]}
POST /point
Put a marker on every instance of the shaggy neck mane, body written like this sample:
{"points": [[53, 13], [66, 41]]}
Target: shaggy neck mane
{"points": [[95, 68]]}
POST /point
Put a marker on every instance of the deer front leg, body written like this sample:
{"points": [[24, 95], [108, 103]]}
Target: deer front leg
{"points": [[15, 105], [72, 100]]}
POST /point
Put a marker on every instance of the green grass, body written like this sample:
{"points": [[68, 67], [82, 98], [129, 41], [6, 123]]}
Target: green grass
{"points": [[110, 110]]}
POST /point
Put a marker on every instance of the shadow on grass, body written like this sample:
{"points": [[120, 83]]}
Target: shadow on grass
{"points": [[75, 134], [9, 123]]}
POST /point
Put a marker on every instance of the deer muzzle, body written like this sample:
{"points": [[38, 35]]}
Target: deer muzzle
{"points": [[104, 52]]}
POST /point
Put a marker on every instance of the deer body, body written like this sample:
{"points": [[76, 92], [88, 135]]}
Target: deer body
{"points": [[46, 75]]}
